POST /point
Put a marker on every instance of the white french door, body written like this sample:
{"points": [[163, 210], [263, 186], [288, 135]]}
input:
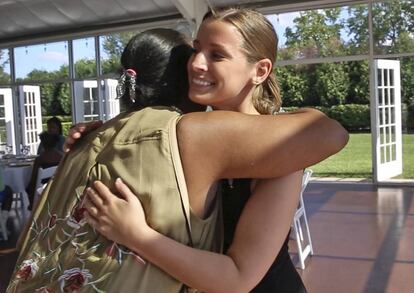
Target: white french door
{"points": [[7, 135], [387, 117], [111, 102], [31, 116]]}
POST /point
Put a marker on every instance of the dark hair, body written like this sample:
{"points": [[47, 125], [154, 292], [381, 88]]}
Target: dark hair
{"points": [[57, 122], [49, 141], [159, 58]]}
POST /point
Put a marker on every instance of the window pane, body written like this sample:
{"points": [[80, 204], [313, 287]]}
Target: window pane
{"points": [[111, 47], [392, 26], [84, 58], [317, 33], [4, 67], [42, 62]]}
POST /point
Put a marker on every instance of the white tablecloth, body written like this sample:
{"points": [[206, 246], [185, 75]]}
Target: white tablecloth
{"points": [[17, 177]]}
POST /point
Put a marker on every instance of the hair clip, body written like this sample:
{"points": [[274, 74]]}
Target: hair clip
{"points": [[127, 79]]}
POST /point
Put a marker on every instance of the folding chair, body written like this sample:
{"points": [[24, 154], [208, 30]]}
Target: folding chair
{"points": [[43, 174], [303, 238]]}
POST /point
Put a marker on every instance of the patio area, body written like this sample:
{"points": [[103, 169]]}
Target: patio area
{"points": [[362, 236]]}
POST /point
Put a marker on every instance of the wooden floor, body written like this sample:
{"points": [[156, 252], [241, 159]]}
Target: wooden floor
{"points": [[363, 239]]}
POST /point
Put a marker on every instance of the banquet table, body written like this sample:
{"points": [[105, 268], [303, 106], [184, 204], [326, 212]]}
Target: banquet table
{"points": [[16, 172]]}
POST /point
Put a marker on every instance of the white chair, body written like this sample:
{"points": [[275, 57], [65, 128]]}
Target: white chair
{"points": [[42, 174], [303, 238], [45, 173]]}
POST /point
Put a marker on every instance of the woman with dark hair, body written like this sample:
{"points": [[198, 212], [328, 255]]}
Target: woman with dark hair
{"points": [[49, 157], [153, 148], [54, 127]]}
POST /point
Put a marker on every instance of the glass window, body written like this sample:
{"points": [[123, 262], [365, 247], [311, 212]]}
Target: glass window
{"points": [[318, 33], [84, 58], [4, 67], [42, 62], [393, 22], [111, 47]]}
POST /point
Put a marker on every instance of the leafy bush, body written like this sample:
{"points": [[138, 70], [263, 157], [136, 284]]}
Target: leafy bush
{"points": [[354, 117]]}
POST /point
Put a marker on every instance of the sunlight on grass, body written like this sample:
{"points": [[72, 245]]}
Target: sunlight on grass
{"points": [[355, 159]]}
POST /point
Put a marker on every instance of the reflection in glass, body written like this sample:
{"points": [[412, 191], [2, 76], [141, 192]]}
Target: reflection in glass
{"points": [[380, 97], [381, 116], [391, 73], [393, 137], [382, 154], [393, 152], [382, 135], [379, 77]]}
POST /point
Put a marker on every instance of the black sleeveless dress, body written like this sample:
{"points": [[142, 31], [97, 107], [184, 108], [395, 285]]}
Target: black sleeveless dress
{"points": [[282, 276]]}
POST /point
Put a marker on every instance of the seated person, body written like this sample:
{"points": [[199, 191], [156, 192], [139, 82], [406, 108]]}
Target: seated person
{"points": [[49, 157], [6, 194], [54, 127]]}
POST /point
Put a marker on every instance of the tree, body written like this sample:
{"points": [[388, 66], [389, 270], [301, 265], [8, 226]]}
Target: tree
{"points": [[317, 33], [293, 85], [114, 45], [391, 19], [4, 60]]}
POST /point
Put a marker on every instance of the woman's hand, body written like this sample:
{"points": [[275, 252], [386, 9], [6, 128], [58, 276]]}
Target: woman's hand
{"points": [[79, 130], [115, 218]]}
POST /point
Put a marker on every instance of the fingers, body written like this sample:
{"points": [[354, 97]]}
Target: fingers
{"points": [[94, 197], [91, 220], [103, 191], [78, 130], [91, 208], [124, 190]]}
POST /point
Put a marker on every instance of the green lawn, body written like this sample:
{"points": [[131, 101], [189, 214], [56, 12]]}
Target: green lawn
{"points": [[355, 159]]}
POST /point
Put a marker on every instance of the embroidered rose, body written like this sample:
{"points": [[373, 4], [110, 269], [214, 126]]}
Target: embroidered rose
{"points": [[76, 219], [27, 270], [52, 221], [74, 279]]}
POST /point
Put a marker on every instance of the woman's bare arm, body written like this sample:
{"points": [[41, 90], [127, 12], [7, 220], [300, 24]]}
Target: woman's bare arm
{"points": [[252, 146], [259, 235]]}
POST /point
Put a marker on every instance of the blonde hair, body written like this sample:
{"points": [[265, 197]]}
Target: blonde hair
{"points": [[259, 41]]}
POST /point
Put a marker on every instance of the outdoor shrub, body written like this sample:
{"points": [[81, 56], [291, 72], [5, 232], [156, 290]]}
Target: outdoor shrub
{"points": [[410, 117], [354, 117]]}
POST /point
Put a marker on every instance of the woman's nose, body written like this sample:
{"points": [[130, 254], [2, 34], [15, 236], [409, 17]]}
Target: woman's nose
{"points": [[198, 62]]}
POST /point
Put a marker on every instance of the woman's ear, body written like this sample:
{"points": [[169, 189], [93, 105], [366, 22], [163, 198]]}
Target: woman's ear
{"points": [[263, 68]]}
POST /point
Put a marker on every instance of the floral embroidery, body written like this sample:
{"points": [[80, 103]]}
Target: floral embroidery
{"points": [[27, 270], [117, 251], [43, 290], [74, 279], [76, 219], [52, 221]]}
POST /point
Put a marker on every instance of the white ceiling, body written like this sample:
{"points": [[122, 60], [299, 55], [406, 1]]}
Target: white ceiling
{"points": [[25, 20]]}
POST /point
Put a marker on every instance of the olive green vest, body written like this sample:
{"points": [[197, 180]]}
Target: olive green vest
{"points": [[62, 253]]}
